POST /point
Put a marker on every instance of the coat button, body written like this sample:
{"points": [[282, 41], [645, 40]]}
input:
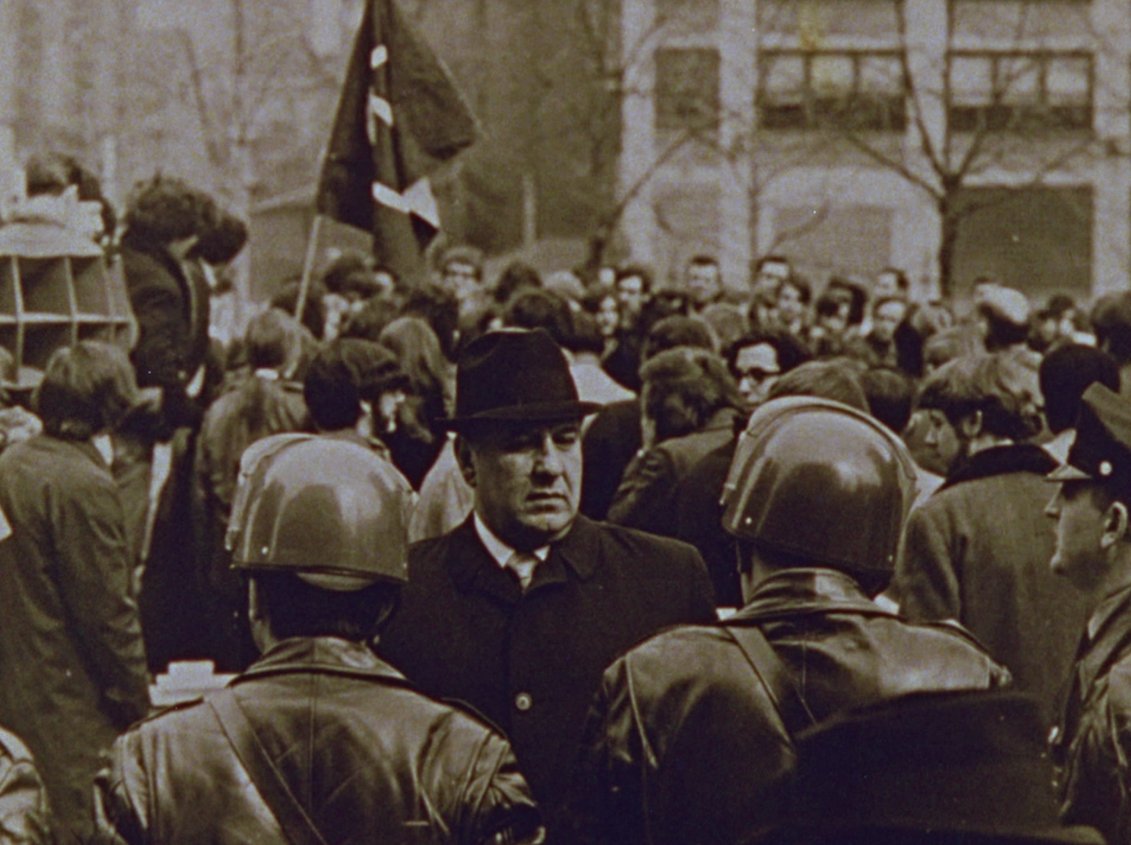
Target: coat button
{"points": [[523, 701]]}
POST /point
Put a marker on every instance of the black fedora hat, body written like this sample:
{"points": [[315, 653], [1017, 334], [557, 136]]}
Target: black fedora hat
{"points": [[515, 375]]}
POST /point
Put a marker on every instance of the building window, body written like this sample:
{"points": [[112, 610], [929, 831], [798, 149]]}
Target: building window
{"points": [[1026, 91], [687, 88], [847, 89]]}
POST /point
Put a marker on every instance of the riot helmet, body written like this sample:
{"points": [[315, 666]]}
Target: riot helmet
{"points": [[330, 511], [821, 482]]}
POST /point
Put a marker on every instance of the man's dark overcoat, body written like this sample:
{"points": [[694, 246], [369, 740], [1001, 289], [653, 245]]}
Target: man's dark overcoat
{"points": [[531, 662], [72, 664]]}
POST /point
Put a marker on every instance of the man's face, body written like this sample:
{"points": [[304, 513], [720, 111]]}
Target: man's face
{"points": [[704, 284], [790, 306], [757, 370], [631, 294], [768, 281], [942, 443], [887, 319], [461, 277], [1080, 522], [887, 284], [608, 316], [527, 480], [835, 324]]}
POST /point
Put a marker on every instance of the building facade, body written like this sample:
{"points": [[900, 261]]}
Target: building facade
{"points": [[950, 138]]}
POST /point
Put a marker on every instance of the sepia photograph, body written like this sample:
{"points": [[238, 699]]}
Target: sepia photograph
{"points": [[580, 422]]}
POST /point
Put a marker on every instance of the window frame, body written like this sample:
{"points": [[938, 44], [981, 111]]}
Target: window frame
{"points": [[998, 114], [869, 111]]}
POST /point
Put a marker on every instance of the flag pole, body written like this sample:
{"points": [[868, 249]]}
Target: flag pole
{"points": [[308, 265]]}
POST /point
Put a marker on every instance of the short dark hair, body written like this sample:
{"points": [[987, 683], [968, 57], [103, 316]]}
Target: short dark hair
{"points": [[677, 330], [373, 317], [1111, 320], [844, 290], [344, 265], [271, 338], [584, 333], [534, 308], [331, 388], [703, 260], [890, 395], [639, 271], [1065, 373], [685, 387], [771, 259], [800, 284], [834, 379], [790, 351], [294, 608], [517, 277], [901, 280], [86, 389], [997, 384], [439, 307]]}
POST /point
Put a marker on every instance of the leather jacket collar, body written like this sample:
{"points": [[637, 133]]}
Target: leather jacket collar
{"points": [[799, 591], [325, 655], [1000, 460]]}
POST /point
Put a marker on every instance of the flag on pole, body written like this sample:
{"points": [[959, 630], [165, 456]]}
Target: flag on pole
{"points": [[400, 116]]}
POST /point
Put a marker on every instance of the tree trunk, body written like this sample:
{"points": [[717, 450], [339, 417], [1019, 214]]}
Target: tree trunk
{"points": [[948, 242]]}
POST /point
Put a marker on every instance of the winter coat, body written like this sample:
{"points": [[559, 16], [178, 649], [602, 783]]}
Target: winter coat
{"points": [[72, 663], [530, 662], [978, 551]]}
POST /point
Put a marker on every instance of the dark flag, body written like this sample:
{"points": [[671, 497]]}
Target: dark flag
{"points": [[400, 117]]}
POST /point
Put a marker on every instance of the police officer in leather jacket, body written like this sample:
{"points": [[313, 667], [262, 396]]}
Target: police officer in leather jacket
{"points": [[690, 736], [319, 741]]}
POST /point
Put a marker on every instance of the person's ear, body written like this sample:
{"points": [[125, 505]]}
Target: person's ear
{"points": [[465, 460], [254, 613], [1115, 525]]}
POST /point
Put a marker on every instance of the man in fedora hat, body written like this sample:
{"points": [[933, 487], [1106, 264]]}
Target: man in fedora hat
{"points": [[1092, 744], [519, 609]]}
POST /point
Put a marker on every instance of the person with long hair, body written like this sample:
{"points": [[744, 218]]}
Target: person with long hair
{"points": [[415, 430]]}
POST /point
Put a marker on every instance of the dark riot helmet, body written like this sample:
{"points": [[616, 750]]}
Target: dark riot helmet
{"points": [[332, 512], [822, 482]]}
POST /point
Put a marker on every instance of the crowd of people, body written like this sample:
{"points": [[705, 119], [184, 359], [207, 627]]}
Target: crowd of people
{"points": [[582, 557]]}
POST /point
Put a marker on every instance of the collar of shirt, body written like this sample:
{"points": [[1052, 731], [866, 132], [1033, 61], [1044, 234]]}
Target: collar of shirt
{"points": [[500, 551]]}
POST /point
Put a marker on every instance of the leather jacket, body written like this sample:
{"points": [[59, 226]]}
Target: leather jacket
{"points": [[684, 743], [367, 757], [1091, 747]]}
